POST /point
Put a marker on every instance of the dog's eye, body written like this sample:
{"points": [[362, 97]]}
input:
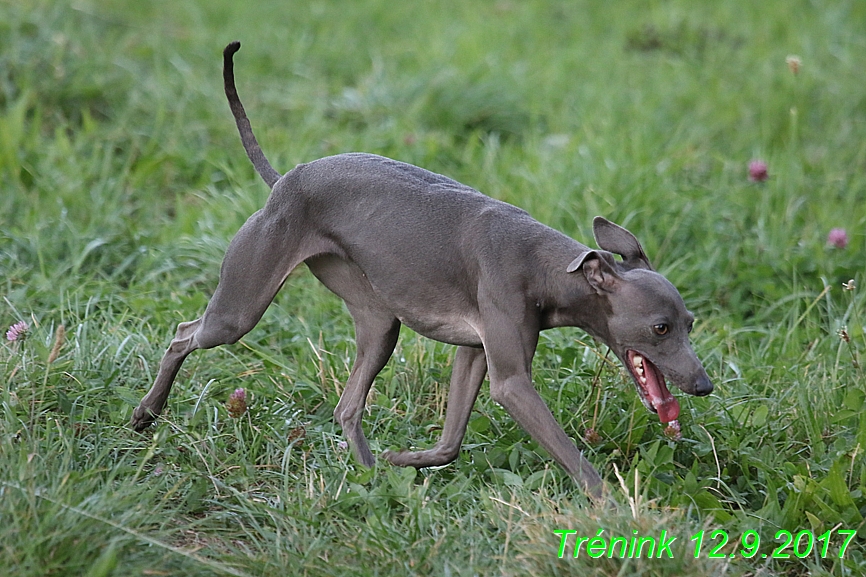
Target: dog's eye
{"points": [[661, 329]]}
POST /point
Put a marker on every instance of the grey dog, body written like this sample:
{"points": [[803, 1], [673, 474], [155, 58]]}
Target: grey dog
{"points": [[401, 245]]}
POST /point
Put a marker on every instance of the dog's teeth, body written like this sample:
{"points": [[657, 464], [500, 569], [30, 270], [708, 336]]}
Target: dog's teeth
{"points": [[638, 367]]}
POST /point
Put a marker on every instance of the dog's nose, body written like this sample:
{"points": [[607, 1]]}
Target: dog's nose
{"points": [[703, 386]]}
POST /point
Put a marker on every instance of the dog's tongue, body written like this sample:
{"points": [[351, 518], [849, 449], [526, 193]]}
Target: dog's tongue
{"points": [[659, 396], [668, 408]]}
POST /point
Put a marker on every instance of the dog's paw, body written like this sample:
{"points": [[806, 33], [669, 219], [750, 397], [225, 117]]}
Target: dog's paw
{"points": [[391, 456], [141, 418], [434, 457]]}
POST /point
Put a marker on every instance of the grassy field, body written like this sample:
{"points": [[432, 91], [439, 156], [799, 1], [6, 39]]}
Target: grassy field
{"points": [[122, 180]]}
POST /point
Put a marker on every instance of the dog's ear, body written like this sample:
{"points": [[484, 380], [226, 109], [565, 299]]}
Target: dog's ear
{"points": [[599, 269], [616, 239]]}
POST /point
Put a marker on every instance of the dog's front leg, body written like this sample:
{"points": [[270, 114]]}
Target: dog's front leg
{"points": [[517, 395], [509, 358], [467, 374]]}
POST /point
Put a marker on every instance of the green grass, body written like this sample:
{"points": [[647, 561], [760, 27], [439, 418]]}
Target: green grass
{"points": [[122, 180]]}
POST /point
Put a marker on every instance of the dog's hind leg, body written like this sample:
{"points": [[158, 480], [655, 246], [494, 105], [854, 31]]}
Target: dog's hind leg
{"points": [[376, 332], [467, 374], [152, 403], [256, 264], [376, 336]]}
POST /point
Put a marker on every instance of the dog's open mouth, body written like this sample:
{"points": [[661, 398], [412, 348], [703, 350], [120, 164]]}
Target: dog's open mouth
{"points": [[652, 388]]}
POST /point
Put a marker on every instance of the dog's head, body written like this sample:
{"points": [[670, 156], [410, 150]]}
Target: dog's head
{"points": [[646, 323]]}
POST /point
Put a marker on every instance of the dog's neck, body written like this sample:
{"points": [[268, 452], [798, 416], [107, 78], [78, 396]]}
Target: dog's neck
{"points": [[575, 304], [566, 299]]}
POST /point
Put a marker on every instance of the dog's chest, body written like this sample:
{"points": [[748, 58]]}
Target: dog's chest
{"points": [[452, 329]]}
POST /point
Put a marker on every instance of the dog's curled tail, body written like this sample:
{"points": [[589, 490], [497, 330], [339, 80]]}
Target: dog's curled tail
{"points": [[251, 145]]}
